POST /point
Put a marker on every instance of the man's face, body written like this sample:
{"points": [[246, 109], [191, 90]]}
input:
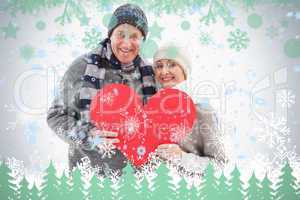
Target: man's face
{"points": [[125, 41]]}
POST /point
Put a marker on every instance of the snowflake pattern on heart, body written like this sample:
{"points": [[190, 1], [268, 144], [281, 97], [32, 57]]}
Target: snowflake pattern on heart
{"points": [[167, 118]]}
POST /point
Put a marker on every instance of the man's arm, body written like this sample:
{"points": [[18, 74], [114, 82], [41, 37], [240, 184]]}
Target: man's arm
{"points": [[63, 116]]}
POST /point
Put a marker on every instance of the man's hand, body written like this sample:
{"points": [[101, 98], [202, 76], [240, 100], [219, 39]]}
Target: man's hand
{"points": [[169, 151], [106, 137]]}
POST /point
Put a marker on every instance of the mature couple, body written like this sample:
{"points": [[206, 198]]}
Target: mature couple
{"points": [[117, 60]]}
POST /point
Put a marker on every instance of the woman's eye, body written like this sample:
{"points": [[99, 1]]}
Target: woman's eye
{"points": [[159, 66], [172, 64]]}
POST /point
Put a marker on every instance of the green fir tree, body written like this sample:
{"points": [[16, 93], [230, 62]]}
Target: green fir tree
{"points": [[298, 190], [128, 184], [8, 188], [78, 190], [286, 187], [106, 191], [94, 191], [50, 185], [34, 192], [253, 192], [267, 190], [162, 187], [193, 193], [24, 190], [236, 189], [209, 185], [144, 192], [65, 187], [223, 187], [182, 190]]}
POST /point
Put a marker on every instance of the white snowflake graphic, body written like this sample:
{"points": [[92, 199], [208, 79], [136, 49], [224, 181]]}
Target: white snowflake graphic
{"points": [[131, 125], [108, 98], [273, 131], [17, 167], [85, 168], [282, 153], [141, 150], [10, 108], [178, 133], [106, 150], [11, 126], [286, 98]]}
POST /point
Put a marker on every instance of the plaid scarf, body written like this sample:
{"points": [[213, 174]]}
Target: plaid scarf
{"points": [[95, 75]]}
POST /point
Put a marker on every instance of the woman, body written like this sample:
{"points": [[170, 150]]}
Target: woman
{"points": [[204, 144]]}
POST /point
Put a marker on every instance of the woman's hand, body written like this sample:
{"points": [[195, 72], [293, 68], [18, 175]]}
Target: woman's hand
{"points": [[106, 137], [169, 151]]}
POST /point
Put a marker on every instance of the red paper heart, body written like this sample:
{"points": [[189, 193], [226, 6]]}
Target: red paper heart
{"points": [[167, 118]]}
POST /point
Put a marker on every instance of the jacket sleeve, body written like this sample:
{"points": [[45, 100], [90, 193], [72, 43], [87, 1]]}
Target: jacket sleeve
{"points": [[63, 116], [204, 145]]}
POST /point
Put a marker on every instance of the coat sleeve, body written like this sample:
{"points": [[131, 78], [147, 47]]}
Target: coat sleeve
{"points": [[204, 145], [63, 116]]}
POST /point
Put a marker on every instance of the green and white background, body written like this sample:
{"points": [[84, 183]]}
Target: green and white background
{"points": [[245, 58]]}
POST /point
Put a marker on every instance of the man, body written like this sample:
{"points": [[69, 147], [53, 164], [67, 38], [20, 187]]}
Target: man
{"points": [[116, 60]]}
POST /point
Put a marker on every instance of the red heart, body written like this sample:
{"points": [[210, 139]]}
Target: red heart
{"points": [[167, 118]]}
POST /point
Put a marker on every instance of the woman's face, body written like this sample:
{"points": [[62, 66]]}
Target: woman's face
{"points": [[125, 42], [168, 72]]}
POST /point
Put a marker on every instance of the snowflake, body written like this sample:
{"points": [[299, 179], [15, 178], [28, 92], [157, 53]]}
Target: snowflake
{"points": [[238, 40], [61, 39], [11, 126], [178, 133], [205, 38], [141, 150], [284, 23], [106, 150], [272, 32], [27, 52], [286, 98], [10, 108], [282, 153], [85, 168], [131, 125], [115, 91], [91, 39], [273, 131], [17, 167], [107, 98], [97, 140]]}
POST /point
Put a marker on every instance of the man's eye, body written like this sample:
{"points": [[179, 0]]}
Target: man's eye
{"points": [[133, 36], [121, 35]]}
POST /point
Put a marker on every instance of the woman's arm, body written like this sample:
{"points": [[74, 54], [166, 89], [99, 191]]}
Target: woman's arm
{"points": [[203, 146]]}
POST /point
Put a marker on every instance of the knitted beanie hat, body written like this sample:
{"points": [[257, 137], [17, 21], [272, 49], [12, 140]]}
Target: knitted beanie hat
{"points": [[175, 53], [130, 14]]}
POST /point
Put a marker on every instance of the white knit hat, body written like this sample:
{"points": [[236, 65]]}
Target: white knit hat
{"points": [[173, 52]]}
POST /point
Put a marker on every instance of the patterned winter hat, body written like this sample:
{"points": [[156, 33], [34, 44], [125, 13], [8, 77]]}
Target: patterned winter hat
{"points": [[176, 53], [130, 14]]}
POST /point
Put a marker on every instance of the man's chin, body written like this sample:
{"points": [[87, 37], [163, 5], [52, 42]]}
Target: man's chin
{"points": [[125, 60]]}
